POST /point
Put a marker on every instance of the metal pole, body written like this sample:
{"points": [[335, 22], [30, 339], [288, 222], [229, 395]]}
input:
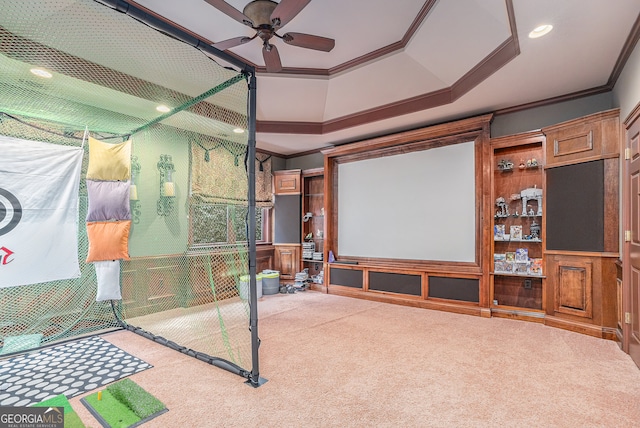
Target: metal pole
{"points": [[255, 380]]}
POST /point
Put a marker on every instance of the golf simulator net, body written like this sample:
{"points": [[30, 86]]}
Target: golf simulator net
{"points": [[188, 242]]}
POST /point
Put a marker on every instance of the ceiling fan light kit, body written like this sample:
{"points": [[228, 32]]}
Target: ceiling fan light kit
{"points": [[266, 17]]}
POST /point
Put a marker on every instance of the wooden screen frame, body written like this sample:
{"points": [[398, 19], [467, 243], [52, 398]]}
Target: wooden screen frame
{"points": [[476, 129]]}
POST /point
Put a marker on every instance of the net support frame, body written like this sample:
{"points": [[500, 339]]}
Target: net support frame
{"points": [[248, 72]]}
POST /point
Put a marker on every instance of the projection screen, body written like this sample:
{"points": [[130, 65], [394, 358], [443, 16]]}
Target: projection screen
{"points": [[416, 206]]}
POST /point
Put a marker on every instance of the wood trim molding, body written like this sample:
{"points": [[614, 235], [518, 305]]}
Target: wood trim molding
{"points": [[559, 99], [449, 129], [422, 15], [625, 53], [632, 117], [504, 53]]}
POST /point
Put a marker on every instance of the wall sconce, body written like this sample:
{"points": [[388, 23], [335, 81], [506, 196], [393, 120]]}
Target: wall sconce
{"points": [[167, 187], [133, 190]]}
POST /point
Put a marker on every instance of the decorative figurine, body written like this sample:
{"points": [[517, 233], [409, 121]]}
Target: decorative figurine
{"points": [[534, 230], [522, 164], [531, 194], [505, 165], [503, 209]]}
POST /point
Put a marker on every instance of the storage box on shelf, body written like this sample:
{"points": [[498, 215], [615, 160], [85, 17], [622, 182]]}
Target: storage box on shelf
{"points": [[517, 279]]}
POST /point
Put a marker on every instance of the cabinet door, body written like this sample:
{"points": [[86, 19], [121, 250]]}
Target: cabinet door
{"points": [[287, 182], [572, 281], [287, 260], [583, 139]]}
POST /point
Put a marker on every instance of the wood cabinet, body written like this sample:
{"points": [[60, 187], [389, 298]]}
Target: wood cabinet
{"points": [[587, 138], [582, 224], [517, 274], [287, 182], [287, 261], [313, 223]]}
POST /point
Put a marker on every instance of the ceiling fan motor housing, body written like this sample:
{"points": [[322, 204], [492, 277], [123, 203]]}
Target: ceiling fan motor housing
{"points": [[259, 11]]}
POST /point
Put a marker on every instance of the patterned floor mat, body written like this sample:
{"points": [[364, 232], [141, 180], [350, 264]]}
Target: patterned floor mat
{"points": [[70, 369]]}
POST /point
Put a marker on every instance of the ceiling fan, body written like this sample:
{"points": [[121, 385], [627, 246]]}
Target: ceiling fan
{"points": [[267, 17]]}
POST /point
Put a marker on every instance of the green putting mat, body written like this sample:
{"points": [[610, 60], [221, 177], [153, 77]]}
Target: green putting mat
{"points": [[71, 418], [123, 404]]}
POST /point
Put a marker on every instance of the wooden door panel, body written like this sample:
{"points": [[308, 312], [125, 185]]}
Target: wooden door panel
{"points": [[635, 306], [574, 289], [631, 339], [635, 221]]}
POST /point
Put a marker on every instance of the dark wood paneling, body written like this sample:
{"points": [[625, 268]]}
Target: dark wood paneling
{"points": [[347, 277], [396, 283], [465, 289]]}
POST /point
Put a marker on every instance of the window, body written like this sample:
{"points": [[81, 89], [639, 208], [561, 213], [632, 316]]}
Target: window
{"points": [[218, 224]]}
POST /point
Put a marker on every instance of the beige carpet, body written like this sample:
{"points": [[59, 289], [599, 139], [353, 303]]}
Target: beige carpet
{"points": [[333, 361]]}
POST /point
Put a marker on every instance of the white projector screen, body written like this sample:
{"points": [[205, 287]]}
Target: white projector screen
{"points": [[418, 206]]}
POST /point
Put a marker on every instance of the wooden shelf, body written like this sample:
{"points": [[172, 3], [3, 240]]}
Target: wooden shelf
{"points": [[519, 275], [519, 240]]}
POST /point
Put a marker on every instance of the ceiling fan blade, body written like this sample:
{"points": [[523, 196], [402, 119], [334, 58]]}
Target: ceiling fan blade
{"points": [[271, 58], [309, 41], [230, 43], [227, 9], [286, 11]]}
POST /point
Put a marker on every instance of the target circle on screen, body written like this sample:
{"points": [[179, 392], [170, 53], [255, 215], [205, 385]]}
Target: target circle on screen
{"points": [[9, 205]]}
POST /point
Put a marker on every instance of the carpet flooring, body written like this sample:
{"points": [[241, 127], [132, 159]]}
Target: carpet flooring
{"points": [[71, 369], [333, 361]]}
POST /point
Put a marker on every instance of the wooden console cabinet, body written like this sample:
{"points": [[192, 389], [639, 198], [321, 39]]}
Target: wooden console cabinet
{"points": [[583, 160]]}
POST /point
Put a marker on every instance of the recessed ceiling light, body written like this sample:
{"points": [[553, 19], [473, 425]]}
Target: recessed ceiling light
{"points": [[238, 131], [163, 108], [540, 31], [40, 72]]}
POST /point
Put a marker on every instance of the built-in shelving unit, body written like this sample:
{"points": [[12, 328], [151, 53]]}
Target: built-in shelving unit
{"points": [[313, 224], [517, 270]]}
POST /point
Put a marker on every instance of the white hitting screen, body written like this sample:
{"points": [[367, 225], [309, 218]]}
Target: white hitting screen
{"points": [[419, 205]]}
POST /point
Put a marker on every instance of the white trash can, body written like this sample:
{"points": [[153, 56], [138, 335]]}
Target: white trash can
{"points": [[243, 286]]}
